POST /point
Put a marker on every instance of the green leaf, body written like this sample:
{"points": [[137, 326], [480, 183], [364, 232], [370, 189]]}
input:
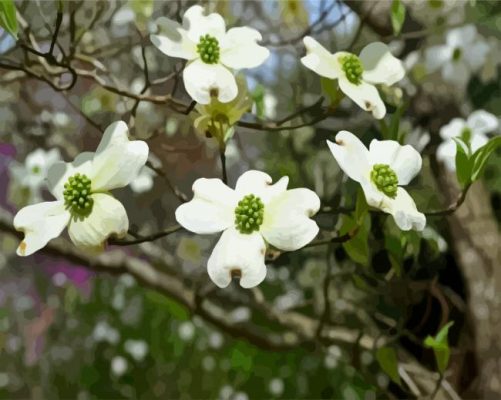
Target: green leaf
{"points": [[331, 88], [361, 206], [8, 20], [463, 162], [258, 97], [440, 346], [481, 156], [397, 16], [394, 127], [357, 247], [387, 359]]}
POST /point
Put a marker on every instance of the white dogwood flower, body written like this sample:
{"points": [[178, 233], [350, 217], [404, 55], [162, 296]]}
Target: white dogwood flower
{"points": [[211, 52], [84, 203], [33, 172], [463, 53], [381, 170], [357, 75], [473, 131], [251, 215]]}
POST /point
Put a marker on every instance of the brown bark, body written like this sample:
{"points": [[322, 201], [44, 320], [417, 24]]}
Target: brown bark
{"points": [[476, 240]]}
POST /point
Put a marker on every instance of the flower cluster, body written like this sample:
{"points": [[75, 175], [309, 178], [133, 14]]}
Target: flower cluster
{"points": [[257, 215]]}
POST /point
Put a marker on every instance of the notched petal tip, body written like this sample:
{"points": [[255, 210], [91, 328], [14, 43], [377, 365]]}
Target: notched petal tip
{"points": [[21, 250], [236, 273]]}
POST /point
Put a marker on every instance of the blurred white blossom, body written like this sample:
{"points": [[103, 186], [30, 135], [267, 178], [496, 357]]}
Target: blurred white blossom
{"points": [[104, 332], [136, 348], [118, 366], [473, 131], [143, 181], [463, 53], [33, 173], [186, 331]]}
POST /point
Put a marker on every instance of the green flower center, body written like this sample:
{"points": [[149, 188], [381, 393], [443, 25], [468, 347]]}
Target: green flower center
{"points": [[456, 54], [385, 179], [77, 192], [208, 48], [36, 169], [352, 67], [249, 214]]}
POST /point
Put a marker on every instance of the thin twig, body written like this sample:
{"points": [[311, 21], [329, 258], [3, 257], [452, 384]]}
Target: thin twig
{"points": [[180, 195], [142, 239], [222, 157]]}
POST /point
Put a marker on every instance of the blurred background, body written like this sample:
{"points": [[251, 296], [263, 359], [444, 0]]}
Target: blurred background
{"points": [[352, 320]]}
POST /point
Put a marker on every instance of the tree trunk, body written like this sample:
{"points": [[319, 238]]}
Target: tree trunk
{"points": [[476, 240]]}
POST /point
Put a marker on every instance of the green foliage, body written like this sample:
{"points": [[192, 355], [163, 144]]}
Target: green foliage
{"points": [[463, 162], [331, 88], [387, 359], [258, 97], [8, 20], [397, 16], [481, 156], [469, 167], [391, 131], [357, 247], [440, 346]]}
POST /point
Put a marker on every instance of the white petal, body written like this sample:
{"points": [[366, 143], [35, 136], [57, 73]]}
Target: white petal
{"points": [[446, 152], [461, 37], [108, 217], [476, 54], [173, 40], [319, 60], [482, 122], [351, 155], [404, 211], [117, 160], [436, 56], [203, 80], [40, 223], [240, 50], [457, 73], [478, 141], [373, 196], [238, 254], [404, 160], [197, 24], [287, 224], [380, 66], [59, 173], [212, 208], [259, 184], [365, 95], [453, 129]]}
